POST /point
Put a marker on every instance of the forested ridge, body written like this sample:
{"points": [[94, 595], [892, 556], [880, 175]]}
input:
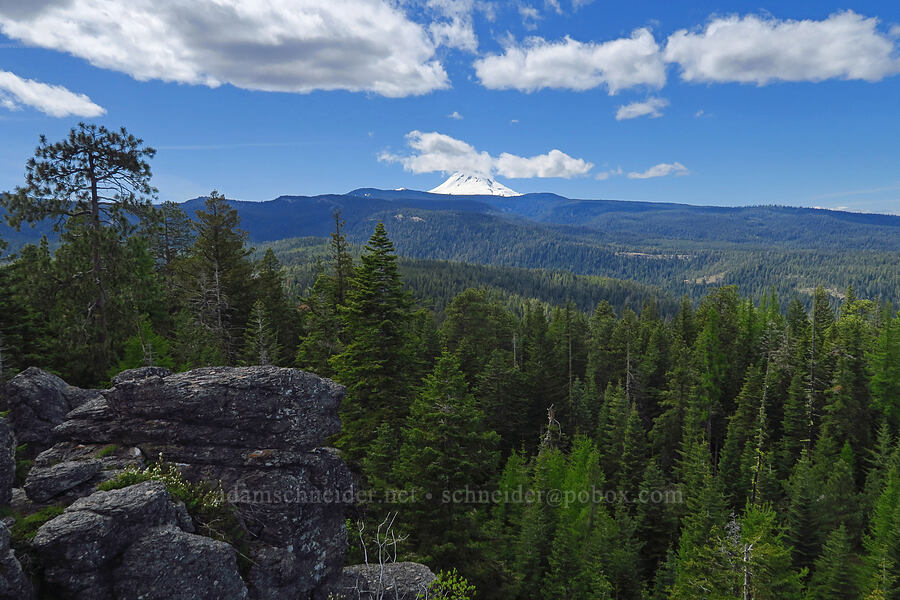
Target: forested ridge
{"points": [[732, 446]]}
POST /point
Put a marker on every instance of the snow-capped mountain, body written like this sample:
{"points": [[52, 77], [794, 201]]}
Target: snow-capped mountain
{"points": [[462, 184]]}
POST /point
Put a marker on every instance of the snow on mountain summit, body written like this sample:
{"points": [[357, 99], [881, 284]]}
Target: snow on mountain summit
{"points": [[462, 184]]}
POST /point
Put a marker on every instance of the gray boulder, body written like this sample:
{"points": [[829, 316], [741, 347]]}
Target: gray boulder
{"points": [[43, 485], [126, 544], [169, 564], [68, 471], [37, 402], [14, 584], [140, 373], [246, 407], [256, 430], [400, 581], [7, 462]]}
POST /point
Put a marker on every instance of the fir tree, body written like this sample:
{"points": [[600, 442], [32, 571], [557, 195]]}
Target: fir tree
{"points": [[833, 576], [261, 345], [379, 362]]}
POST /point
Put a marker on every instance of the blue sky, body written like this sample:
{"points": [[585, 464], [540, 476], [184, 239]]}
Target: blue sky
{"points": [[717, 103]]}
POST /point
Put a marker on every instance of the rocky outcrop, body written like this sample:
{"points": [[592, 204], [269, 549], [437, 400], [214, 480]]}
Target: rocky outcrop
{"points": [[37, 402], [67, 471], [127, 544], [257, 430], [14, 585], [400, 581], [140, 373], [7, 462]]}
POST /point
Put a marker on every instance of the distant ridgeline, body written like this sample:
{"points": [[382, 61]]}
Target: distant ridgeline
{"points": [[679, 248]]}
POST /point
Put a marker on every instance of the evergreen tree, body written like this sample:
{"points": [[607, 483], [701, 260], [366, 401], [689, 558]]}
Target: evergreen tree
{"points": [[380, 362], [261, 345], [885, 367], [634, 452], [217, 282], [88, 185], [880, 573], [144, 349], [445, 449], [833, 577]]}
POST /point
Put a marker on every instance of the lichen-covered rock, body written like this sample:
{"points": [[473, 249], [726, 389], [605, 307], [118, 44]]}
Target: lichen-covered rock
{"points": [[7, 462], [14, 584], [127, 544], [140, 373], [78, 547], [37, 402], [258, 431], [169, 564], [247, 407], [43, 485], [401, 581], [67, 471]]}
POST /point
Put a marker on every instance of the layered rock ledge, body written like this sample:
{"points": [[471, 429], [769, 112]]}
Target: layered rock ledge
{"points": [[258, 431]]}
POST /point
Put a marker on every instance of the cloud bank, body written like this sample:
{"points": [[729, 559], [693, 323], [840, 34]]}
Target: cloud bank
{"points": [[436, 152], [752, 49], [569, 64], [272, 45]]}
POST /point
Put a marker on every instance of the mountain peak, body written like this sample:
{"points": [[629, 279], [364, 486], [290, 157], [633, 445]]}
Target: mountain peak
{"points": [[464, 184]]}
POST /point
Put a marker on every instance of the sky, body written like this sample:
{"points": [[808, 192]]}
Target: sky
{"points": [[716, 103]]}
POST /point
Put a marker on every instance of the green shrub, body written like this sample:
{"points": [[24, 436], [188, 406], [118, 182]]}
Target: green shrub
{"points": [[449, 585], [106, 450]]}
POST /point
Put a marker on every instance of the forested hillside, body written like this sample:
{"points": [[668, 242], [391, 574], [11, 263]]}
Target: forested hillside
{"points": [[682, 249], [548, 436]]}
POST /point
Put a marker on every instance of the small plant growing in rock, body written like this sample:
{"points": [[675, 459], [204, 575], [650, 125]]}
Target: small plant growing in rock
{"points": [[25, 528], [107, 450], [212, 514], [449, 585], [23, 465]]}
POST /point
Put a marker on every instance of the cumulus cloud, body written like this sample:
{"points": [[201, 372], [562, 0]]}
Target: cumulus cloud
{"points": [[436, 152], [569, 64], [660, 170], [273, 45], [651, 107], [754, 49], [552, 164], [455, 115], [53, 100]]}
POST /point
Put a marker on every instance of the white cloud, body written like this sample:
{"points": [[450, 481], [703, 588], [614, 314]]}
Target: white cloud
{"points": [[576, 4], [570, 64], [604, 175], [530, 16], [753, 49], [273, 45], [456, 30], [433, 152], [513, 121], [651, 107], [660, 170], [554, 6], [436, 152], [699, 113], [455, 115], [53, 100], [552, 164]]}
